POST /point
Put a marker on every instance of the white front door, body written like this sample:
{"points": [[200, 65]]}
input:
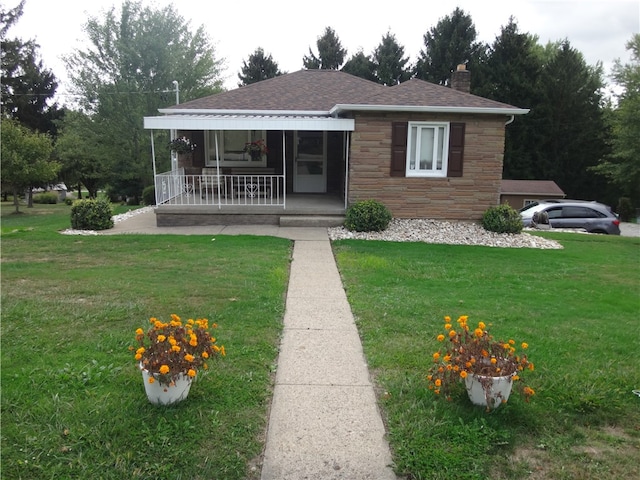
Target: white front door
{"points": [[310, 163]]}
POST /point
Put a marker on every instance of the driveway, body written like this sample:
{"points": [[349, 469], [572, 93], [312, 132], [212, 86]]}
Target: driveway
{"points": [[630, 229]]}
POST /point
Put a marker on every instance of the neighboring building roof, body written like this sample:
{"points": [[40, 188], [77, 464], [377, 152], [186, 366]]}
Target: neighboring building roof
{"points": [[530, 187], [333, 91]]}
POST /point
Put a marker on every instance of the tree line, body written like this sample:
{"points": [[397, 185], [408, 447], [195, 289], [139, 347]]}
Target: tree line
{"points": [[575, 135]]}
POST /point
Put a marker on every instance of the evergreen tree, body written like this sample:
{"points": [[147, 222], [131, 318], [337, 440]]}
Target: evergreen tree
{"points": [[450, 43], [330, 53], [511, 75], [27, 87], [361, 66], [570, 120], [259, 67], [389, 62]]}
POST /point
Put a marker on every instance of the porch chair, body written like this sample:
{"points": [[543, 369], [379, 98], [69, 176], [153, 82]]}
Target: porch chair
{"points": [[211, 182]]}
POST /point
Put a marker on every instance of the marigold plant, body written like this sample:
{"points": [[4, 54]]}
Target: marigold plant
{"points": [[474, 351], [168, 350]]}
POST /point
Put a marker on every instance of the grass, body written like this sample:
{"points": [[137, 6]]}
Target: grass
{"points": [[578, 310], [73, 403]]}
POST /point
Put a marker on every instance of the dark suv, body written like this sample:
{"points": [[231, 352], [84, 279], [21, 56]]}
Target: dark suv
{"points": [[591, 216]]}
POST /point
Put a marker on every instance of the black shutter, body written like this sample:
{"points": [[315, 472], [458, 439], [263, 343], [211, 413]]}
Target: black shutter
{"points": [[399, 148], [456, 149]]}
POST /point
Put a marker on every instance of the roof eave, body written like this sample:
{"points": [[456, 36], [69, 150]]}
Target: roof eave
{"points": [[340, 108], [218, 111]]}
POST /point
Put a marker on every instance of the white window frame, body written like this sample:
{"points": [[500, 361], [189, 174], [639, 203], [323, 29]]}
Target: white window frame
{"points": [[418, 127], [229, 160]]}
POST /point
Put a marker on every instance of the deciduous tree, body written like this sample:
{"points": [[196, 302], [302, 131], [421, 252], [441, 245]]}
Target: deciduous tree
{"points": [[125, 73], [26, 159], [622, 167]]}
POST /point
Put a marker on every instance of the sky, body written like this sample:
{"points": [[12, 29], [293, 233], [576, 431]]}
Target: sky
{"points": [[288, 29]]}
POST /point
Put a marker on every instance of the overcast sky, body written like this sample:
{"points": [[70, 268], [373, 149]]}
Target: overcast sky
{"points": [[287, 29]]}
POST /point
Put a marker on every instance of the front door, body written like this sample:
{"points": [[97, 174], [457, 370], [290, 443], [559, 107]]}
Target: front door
{"points": [[310, 164]]}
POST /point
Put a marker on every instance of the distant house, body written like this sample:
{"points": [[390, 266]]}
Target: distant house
{"points": [[332, 139], [520, 193]]}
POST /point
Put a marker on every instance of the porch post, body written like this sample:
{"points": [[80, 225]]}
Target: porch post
{"points": [[346, 167], [218, 172], [284, 170], [153, 160]]}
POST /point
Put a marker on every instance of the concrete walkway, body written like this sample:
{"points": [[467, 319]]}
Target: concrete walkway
{"points": [[324, 422]]}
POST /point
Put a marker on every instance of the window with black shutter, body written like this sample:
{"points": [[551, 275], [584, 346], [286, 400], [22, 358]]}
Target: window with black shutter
{"points": [[427, 149]]}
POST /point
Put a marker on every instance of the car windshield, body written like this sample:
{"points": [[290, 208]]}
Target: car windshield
{"points": [[527, 207]]}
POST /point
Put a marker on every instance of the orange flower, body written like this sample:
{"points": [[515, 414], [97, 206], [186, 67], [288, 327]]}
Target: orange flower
{"points": [[463, 374], [440, 338]]}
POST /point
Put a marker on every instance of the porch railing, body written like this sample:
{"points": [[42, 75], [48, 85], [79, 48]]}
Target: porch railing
{"points": [[176, 188]]}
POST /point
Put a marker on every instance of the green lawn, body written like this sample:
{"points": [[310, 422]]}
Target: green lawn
{"points": [[578, 310], [73, 402]]}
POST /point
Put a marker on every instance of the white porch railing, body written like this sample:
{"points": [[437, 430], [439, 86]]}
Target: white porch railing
{"points": [[176, 188]]}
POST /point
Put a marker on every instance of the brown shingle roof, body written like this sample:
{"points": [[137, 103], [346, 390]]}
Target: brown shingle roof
{"points": [[315, 90], [530, 187], [420, 93], [321, 90]]}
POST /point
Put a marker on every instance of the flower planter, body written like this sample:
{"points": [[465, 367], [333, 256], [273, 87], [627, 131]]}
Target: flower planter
{"points": [[160, 394], [488, 392]]}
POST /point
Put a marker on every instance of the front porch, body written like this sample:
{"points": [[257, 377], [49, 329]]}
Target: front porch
{"points": [[317, 210]]}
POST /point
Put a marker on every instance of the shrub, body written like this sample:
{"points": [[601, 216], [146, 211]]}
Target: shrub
{"points": [[367, 216], [68, 201], [149, 195], [502, 219], [46, 197], [625, 209], [91, 214]]}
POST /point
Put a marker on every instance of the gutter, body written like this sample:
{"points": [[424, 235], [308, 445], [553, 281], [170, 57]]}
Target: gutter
{"points": [[341, 108]]}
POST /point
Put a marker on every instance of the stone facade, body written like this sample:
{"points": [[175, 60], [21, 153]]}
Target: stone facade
{"points": [[461, 198]]}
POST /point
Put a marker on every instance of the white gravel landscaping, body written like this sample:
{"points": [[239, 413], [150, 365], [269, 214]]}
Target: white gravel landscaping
{"points": [[445, 232], [409, 230]]}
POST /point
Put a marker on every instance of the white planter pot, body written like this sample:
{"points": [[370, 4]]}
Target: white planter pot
{"points": [[488, 392], [160, 394]]}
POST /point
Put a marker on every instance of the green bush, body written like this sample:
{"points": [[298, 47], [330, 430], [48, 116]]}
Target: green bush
{"points": [[367, 216], [46, 197], [625, 209], [68, 201], [502, 219], [91, 214], [149, 195]]}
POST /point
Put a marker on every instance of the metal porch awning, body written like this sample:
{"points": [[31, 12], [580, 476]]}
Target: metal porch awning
{"points": [[249, 122]]}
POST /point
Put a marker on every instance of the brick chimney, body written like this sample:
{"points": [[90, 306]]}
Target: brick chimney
{"points": [[461, 79]]}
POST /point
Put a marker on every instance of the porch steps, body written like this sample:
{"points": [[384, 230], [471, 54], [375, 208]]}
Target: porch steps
{"points": [[311, 220]]}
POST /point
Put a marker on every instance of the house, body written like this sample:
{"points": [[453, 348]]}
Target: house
{"points": [[332, 139], [520, 193]]}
